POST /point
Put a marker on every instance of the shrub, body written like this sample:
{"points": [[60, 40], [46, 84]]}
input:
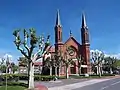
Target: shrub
{"points": [[16, 77], [13, 84]]}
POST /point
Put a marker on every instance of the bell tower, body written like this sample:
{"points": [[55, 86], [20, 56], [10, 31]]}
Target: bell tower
{"points": [[85, 45], [58, 33]]}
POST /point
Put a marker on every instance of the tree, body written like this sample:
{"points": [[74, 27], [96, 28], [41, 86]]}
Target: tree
{"points": [[80, 61], [109, 62], [116, 64], [67, 61], [2, 61], [14, 67], [57, 62], [48, 63], [97, 58], [2, 67], [26, 45], [23, 61]]}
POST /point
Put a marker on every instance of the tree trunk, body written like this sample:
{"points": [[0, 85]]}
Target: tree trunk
{"points": [[31, 76], [79, 69], [28, 68], [59, 71], [50, 71], [55, 71], [111, 72], [99, 70], [67, 74]]}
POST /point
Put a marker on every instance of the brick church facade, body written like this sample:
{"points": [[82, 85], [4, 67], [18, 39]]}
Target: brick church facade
{"points": [[81, 51], [77, 51]]}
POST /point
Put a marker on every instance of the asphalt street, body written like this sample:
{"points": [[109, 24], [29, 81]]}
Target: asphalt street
{"points": [[60, 82], [113, 84]]}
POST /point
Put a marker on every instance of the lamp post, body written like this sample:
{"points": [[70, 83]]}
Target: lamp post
{"points": [[7, 66]]}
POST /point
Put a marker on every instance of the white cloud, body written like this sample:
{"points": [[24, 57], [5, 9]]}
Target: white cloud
{"points": [[108, 55], [12, 58], [113, 55]]}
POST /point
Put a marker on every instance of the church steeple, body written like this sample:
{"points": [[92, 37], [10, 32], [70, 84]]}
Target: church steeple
{"points": [[58, 34], [85, 44], [58, 22], [83, 21], [58, 29], [84, 31]]}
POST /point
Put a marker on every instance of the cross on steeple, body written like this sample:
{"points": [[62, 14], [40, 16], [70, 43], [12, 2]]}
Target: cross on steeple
{"points": [[70, 33]]}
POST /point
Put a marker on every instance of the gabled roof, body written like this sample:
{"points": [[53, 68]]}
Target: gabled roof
{"points": [[73, 40]]}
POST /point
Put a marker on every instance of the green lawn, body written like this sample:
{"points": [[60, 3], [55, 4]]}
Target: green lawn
{"points": [[12, 88]]}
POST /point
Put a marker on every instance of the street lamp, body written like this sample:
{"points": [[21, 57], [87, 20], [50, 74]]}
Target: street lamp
{"points": [[7, 59]]}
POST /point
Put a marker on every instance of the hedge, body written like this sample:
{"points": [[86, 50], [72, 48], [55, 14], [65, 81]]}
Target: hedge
{"points": [[16, 77], [14, 84]]}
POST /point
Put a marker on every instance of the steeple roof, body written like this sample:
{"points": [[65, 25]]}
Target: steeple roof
{"points": [[83, 20], [58, 22]]}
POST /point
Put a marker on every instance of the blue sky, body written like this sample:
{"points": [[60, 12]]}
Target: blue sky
{"points": [[102, 16]]}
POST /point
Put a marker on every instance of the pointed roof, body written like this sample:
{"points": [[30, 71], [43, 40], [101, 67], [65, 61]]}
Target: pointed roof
{"points": [[58, 22], [73, 40], [83, 20]]}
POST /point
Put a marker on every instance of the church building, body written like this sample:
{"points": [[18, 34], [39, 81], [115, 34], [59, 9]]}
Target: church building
{"points": [[78, 52], [71, 49]]}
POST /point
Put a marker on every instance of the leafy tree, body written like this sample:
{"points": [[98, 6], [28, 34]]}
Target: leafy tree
{"points": [[2, 61], [109, 63], [23, 61], [116, 64], [3, 68], [14, 67], [26, 45]]}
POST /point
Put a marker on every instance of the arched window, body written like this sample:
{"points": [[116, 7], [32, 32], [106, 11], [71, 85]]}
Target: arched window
{"points": [[87, 37], [59, 35]]}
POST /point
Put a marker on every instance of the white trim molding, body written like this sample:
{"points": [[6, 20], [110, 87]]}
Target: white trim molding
{"points": [[84, 66]]}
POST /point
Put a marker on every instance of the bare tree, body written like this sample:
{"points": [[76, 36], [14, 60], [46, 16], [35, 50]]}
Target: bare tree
{"points": [[57, 62], [67, 61], [97, 58], [80, 61], [26, 45]]}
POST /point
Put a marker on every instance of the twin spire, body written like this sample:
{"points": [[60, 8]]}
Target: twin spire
{"points": [[58, 22], [83, 21]]}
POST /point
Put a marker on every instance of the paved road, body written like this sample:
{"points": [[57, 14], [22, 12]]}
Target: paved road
{"points": [[60, 82], [113, 84], [85, 84], [93, 84]]}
